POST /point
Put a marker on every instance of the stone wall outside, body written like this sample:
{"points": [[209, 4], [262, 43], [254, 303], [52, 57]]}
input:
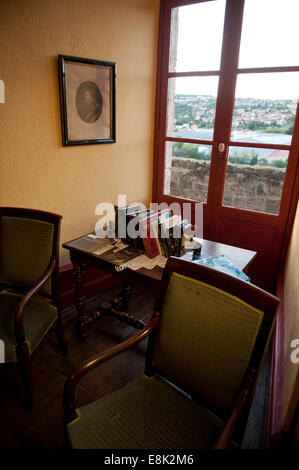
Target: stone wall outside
{"points": [[247, 187]]}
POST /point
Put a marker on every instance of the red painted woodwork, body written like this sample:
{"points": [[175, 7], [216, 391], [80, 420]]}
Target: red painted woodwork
{"points": [[275, 421]]}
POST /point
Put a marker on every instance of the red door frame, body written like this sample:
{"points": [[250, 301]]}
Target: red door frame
{"points": [[214, 212]]}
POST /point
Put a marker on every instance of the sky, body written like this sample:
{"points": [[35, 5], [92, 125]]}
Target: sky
{"points": [[269, 38]]}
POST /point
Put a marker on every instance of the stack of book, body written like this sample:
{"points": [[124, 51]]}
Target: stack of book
{"points": [[137, 231], [157, 232]]}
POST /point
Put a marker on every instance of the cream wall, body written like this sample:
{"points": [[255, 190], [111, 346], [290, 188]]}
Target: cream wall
{"points": [[36, 171], [291, 293]]}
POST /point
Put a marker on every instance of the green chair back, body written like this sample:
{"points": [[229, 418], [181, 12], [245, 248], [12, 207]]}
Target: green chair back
{"points": [[25, 251], [205, 339]]}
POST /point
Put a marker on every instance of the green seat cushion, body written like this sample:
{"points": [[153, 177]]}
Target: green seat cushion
{"points": [[38, 318], [205, 340], [145, 414], [25, 251]]}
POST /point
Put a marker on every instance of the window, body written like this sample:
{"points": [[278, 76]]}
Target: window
{"points": [[226, 125], [254, 116]]}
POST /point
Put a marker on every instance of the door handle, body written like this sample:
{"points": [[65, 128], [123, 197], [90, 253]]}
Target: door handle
{"points": [[221, 148]]}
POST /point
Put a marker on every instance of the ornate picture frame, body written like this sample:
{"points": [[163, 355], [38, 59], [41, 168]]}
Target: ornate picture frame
{"points": [[87, 100]]}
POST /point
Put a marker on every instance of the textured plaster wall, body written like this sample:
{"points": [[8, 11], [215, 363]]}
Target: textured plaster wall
{"points": [[291, 282], [35, 170]]}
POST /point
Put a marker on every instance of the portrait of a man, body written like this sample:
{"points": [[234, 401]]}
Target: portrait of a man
{"points": [[89, 101]]}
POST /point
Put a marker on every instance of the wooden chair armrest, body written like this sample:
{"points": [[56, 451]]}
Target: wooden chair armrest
{"points": [[229, 426], [82, 369], [19, 328]]}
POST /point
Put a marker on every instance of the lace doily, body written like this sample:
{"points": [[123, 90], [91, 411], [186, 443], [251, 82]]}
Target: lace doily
{"points": [[143, 261]]}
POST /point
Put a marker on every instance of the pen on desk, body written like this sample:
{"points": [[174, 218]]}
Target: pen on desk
{"points": [[196, 253]]}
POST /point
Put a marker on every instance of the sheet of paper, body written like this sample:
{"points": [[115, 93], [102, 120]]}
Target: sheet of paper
{"points": [[93, 236], [103, 249], [119, 246]]}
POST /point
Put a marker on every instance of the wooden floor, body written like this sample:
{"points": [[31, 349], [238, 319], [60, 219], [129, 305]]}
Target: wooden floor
{"points": [[43, 427]]}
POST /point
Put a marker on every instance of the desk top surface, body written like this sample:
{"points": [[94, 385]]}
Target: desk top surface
{"points": [[240, 257]]}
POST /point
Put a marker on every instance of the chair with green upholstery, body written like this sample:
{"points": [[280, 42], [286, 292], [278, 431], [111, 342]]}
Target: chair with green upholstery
{"points": [[29, 242], [207, 340]]}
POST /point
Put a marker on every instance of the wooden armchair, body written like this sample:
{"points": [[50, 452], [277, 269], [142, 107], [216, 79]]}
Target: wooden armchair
{"points": [[29, 242], [208, 336]]}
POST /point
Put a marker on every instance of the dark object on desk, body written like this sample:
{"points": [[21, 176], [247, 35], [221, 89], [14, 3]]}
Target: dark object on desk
{"points": [[174, 239], [29, 247], [196, 253], [122, 256], [123, 215], [199, 312]]}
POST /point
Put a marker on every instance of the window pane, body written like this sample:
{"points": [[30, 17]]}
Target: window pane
{"points": [[254, 178], [269, 33], [191, 107], [187, 170], [265, 107], [196, 37]]}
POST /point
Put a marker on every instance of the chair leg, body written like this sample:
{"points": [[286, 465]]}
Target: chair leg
{"points": [[60, 336], [23, 357]]}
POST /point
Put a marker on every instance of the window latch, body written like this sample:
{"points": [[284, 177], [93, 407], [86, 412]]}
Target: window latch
{"points": [[221, 148]]}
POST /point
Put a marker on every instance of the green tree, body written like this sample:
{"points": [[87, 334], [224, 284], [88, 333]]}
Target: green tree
{"points": [[263, 162], [289, 129], [279, 163], [186, 150]]}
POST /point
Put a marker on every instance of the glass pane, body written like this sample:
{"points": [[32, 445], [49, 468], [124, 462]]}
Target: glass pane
{"points": [[196, 37], [187, 170], [265, 107], [191, 107], [254, 178], [269, 33]]}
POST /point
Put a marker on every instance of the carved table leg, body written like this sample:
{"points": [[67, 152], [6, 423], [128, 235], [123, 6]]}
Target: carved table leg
{"points": [[80, 300], [112, 308], [124, 296], [119, 306], [116, 307]]}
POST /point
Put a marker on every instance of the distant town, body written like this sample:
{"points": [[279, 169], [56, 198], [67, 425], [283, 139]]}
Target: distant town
{"points": [[265, 115], [254, 120]]}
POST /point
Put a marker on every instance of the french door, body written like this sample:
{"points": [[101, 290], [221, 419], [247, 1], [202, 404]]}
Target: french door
{"points": [[227, 126]]}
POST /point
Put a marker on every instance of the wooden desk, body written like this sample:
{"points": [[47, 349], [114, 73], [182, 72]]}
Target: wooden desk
{"points": [[238, 256]]}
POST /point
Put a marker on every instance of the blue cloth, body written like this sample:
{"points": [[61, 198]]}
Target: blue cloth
{"points": [[222, 264]]}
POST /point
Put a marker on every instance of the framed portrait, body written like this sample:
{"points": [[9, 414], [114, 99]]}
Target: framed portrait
{"points": [[87, 100]]}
